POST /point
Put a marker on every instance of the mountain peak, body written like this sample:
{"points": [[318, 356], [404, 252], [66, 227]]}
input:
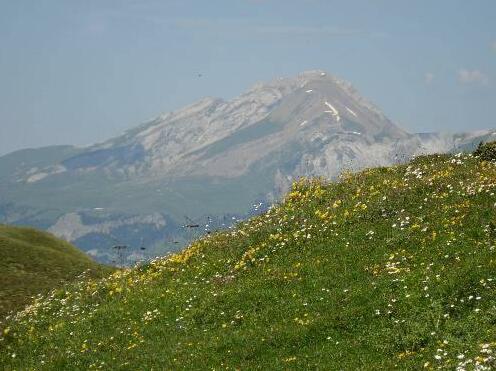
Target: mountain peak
{"points": [[289, 83], [226, 138]]}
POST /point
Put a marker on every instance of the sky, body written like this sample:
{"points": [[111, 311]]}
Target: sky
{"points": [[80, 72]]}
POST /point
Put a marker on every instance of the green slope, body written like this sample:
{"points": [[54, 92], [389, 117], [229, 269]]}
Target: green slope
{"points": [[388, 268], [33, 262]]}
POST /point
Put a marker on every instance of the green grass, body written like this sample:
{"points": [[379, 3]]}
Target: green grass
{"points": [[388, 268], [33, 262]]}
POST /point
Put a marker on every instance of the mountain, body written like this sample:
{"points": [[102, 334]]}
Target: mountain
{"points": [[33, 262], [390, 268], [209, 161]]}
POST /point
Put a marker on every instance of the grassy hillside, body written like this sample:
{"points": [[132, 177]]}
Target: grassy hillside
{"points": [[33, 262], [391, 267]]}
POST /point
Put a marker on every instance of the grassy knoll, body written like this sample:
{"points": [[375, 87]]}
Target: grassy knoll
{"points": [[33, 262]]}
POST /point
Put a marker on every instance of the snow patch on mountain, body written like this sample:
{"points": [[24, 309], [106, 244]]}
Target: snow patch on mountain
{"points": [[351, 111], [333, 111]]}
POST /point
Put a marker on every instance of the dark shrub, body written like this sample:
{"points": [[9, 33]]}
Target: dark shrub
{"points": [[486, 151]]}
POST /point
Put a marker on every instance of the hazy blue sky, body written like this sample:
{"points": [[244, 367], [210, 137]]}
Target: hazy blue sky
{"points": [[81, 71]]}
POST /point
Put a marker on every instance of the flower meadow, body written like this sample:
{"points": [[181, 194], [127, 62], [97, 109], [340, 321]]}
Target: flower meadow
{"points": [[387, 268]]}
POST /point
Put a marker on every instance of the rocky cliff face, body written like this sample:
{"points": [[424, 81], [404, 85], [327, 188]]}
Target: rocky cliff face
{"points": [[213, 157]]}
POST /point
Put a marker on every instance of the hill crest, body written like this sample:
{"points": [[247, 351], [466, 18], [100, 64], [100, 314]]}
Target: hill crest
{"points": [[33, 262]]}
